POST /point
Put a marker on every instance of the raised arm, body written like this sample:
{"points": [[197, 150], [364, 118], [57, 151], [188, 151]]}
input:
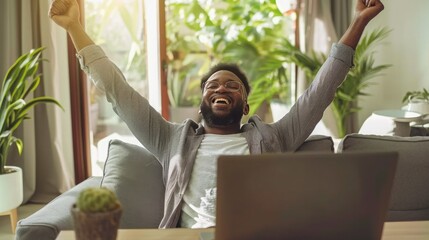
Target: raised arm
{"points": [[66, 14], [365, 11]]}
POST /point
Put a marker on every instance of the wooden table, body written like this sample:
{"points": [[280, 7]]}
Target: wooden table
{"points": [[418, 230]]}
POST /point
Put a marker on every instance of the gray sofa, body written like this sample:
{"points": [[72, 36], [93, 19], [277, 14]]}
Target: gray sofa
{"points": [[410, 194], [135, 175]]}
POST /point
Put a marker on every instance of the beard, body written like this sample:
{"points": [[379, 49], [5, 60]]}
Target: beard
{"points": [[213, 120]]}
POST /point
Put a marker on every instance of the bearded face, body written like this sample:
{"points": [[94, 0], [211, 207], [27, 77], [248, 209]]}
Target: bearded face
{"points": [[213, 119], [224, 100]]}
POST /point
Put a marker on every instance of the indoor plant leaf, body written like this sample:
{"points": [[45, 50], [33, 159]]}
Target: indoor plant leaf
{"points": [[13, 105]]}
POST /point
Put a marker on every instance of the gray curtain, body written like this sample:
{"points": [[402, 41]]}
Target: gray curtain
{"points": [[318, 34], [322, 23], [47, 159], [342, 13]]}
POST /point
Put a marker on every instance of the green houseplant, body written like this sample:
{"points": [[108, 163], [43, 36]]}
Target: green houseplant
{"points": [[417, 101], [183, 89], [187, 60], [96, 214], [357, 80], [251, 33], [422, 95], [247, 32], [180, 81], [20, 81]]}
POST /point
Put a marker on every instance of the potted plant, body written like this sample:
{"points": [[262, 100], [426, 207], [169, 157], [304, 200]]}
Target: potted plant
{"points": [[357, 79], [96, 214], [252, 34], [249, 34], [183, 90], [16, 99], [417, 101], [183, 83], [186, 62]]}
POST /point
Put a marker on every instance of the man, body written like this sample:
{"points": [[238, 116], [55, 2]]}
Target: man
{"points": [[187, 151]]}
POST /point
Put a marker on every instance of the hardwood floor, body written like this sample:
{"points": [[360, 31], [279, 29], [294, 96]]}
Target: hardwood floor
{"points": [[23, 212]]}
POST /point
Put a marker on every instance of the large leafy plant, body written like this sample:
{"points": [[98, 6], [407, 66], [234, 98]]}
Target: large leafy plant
{"points": [[252, 34], [187, 58], [247, 32], [357, 80], [21, 80], [183, 83]]}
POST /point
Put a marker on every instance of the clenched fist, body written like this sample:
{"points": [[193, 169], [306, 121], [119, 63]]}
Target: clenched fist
{"points": [[64, 13]]}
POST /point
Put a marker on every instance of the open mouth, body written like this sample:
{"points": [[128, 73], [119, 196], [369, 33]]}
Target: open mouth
{"points": [[220, 101]]}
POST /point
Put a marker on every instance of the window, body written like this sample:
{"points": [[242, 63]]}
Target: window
{"points": [[119, 28]]}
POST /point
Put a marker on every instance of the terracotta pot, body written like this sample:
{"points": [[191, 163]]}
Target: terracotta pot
{"points": [[91, 226]]}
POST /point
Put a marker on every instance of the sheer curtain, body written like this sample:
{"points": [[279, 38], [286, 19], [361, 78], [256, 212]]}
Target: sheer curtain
{"points": [[47, 159], [318, 33], [342, 14]]}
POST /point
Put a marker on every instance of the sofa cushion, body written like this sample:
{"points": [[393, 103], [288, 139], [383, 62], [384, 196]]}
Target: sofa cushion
{"points": [[317, 143], [410, 195], [135, 175]]}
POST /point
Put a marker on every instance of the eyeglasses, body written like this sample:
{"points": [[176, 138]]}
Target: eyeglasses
{"points": [[232, 86]]}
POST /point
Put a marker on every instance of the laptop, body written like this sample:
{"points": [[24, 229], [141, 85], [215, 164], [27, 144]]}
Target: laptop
{"points": [[303, 196]]}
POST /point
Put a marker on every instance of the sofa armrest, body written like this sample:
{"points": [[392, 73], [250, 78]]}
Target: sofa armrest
{"points": [[131, 171], [47, 222]]}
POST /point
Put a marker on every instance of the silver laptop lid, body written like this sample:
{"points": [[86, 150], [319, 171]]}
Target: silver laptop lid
{"points": [[304, 195]]}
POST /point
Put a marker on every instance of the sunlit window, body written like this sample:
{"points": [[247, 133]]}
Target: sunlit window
{"points": [[118, 27]]}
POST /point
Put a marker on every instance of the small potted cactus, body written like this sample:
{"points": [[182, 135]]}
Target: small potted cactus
{"points": [[96, 214]]}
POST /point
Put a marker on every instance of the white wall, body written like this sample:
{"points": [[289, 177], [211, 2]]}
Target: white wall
{"points": [[406, 48]]}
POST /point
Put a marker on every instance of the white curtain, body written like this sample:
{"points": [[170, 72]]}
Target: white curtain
{"points": [[47, 159], [318, 33]]}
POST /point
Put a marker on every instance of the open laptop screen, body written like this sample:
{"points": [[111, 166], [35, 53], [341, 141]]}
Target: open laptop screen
{"points": [[304, 195]]}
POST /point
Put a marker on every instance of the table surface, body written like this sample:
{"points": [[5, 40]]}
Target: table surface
{"points": [[399, 115], [416, 230]]}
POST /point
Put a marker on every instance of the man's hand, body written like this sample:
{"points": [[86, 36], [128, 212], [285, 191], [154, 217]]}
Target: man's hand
{"points": [[64, 13], [368, 9]]}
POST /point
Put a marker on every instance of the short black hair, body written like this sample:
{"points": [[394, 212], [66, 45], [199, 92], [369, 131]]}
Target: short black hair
{"points": [[232, 67]]}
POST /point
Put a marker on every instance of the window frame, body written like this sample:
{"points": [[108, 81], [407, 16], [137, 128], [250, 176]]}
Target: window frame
{"points": [[79, 96]]}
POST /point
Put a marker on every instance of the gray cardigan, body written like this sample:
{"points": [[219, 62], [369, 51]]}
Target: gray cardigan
{"points": [[176, 145]]}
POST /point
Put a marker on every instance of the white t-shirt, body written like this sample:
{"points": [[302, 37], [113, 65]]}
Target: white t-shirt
{"points": [[199, 207]]}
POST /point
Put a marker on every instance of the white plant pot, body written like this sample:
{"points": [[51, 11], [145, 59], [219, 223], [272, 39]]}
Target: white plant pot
{"points": [[418, 106], [11, 189]]}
